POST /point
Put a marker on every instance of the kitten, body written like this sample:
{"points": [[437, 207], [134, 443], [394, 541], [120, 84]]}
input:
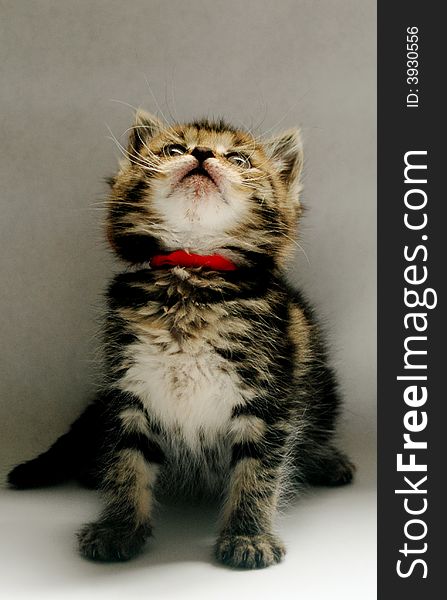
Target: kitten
{"points": [[216, 378]]}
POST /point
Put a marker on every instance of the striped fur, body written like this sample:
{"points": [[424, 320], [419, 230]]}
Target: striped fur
{"points": [[215, 382]]}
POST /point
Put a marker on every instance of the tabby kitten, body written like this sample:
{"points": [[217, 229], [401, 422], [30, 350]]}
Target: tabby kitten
{"points": [[216, 378]]}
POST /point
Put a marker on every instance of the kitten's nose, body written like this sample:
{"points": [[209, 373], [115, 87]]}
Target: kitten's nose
{"points": [[202, 154]]}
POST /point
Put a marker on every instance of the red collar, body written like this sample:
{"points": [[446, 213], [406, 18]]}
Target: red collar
{"points": [[180, 258]]}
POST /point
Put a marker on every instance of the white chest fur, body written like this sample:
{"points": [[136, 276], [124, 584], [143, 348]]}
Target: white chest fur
{"points": [[193, 393]]}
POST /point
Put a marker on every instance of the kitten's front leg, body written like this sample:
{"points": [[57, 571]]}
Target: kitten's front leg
{"points": [[130, 474], [247, 539]]}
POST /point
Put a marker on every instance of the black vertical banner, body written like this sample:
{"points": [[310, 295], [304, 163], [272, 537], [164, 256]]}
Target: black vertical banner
{"points": [[412, 269]]}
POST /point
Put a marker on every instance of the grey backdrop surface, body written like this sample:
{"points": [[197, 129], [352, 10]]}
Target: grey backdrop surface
{"points": [[268, 65]]}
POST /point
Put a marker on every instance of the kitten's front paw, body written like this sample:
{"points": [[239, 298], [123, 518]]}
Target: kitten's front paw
{"points": [[107, 541], [249, 552]]}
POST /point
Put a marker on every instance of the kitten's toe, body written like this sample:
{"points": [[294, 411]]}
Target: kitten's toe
{"points": [[249, 552], [333, 469], [106, 541], [34, 473], [341, 471]]}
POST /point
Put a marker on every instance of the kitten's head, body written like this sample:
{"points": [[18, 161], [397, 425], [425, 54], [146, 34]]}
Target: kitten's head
{"points": [[207, 188]]}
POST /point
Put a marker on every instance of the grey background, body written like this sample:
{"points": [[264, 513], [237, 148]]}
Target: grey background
{"points": [[267, 65]]}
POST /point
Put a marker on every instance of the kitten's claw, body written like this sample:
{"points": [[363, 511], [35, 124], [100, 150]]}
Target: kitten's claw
{"points": [[105, 541], [249, 552]]}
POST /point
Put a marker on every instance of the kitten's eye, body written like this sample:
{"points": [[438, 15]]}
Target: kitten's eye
{"points": [[240, 160], [174, 150]]}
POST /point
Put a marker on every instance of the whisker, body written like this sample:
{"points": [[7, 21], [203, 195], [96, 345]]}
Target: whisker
{"points": [[298, 246], [134, 157], [135, 108], [155, 100]]}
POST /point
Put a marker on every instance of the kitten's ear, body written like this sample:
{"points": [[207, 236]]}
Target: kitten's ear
{"points": [[286, 152], [144, 128]]}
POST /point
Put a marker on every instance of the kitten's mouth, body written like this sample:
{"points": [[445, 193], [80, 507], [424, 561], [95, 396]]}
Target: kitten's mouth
{"points": [[201, 180], [198, 172]]}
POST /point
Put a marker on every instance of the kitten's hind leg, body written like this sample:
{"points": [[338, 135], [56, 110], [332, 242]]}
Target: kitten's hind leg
{"points": [[72, 456], [329, 467], [130, 474]]}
